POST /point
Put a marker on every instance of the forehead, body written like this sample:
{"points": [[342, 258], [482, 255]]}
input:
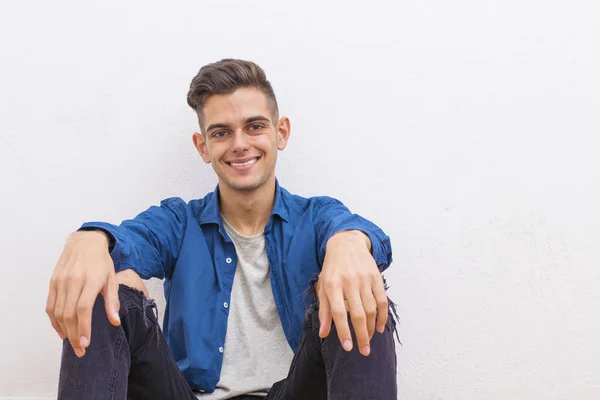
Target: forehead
{"points": [[235, 107]]}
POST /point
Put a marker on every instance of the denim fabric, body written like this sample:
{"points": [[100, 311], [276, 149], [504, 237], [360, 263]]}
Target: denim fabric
{"points": [[133, 362], [186, 244], [323, 370]]}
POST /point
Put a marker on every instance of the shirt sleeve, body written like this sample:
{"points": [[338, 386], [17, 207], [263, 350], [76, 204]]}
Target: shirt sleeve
{"points": [[149, 243], [331, 216]]}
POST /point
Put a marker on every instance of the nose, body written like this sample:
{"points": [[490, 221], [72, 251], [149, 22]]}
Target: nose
{"points": [[240, 142]]}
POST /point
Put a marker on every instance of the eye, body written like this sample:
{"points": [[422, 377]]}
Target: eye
{"points": [[218, 134], [255, 127]]}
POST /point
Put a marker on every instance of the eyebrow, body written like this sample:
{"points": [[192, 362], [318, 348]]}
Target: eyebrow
{"points": [[247, 121]]}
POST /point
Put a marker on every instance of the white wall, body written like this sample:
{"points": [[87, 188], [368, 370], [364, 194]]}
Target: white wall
{"points": [[469, 130]]}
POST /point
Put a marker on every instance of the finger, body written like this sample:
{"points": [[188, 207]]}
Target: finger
{"points": [[359, 322], [85, 308], [370, 308], [340, 318], [59, 307], [50, 306], [55, 303], [382, 304], [70, 319], [324, 317], [111, 300]]}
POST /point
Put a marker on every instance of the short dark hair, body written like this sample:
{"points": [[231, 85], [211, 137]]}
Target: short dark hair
{"points": [[225, 77]]}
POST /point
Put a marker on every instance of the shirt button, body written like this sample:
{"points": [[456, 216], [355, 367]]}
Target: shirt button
{"points": [[220, 349], [225, 305], [228, 260]]}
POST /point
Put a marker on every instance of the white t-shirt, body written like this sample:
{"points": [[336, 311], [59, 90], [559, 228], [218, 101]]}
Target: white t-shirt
{"points": [[256, 352]]}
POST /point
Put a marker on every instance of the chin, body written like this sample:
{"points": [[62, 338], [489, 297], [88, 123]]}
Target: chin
{"points": [[246, 183]]}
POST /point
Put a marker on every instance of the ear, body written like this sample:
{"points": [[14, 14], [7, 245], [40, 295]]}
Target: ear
{"points": [[200, 145], [283, 132]]}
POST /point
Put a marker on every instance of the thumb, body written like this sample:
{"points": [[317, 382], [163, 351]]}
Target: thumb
{"points": [[324, 316], [111, 300]]}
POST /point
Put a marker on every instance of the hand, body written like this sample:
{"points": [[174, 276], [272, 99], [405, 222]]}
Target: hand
{"points": [[84, 270], [350, 275]]}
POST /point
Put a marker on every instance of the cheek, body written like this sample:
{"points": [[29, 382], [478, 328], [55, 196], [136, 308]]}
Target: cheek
{"points": [[267, 144], [216, 151]]}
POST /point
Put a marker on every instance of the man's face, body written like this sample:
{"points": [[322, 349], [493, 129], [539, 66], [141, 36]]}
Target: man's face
{"points": [[241, 139]]}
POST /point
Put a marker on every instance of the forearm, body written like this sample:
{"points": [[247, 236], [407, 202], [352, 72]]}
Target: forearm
{"points": [[335, 223], [150, 242]]}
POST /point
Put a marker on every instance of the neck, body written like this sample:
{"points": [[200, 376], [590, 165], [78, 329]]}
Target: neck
{"points": [[248, 212]]}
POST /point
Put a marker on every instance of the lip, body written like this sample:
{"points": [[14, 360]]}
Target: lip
{"points": [[243, 160]]}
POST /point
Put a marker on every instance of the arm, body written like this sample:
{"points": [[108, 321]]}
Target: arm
{"points": [[352, 252], [149, 244], [333, 217]]}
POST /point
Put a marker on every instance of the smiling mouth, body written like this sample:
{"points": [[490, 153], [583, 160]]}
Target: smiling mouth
{"points": [[245, 163]]}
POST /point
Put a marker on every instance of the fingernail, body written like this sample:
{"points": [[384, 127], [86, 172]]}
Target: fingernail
{"points": [[83, 341], [366, 350], [116, 316], [347, 345], [380, 328], [79, 352]]}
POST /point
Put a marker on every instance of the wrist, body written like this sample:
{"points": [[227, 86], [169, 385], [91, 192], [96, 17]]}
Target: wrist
{"points": [[95, 236], [349, 237]]}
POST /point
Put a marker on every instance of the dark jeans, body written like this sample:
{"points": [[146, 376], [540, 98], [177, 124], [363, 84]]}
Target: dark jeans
{"points": [[132, 361]]}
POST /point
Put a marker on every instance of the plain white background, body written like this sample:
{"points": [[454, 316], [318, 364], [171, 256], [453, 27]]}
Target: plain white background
{"points": [[467, 129]]}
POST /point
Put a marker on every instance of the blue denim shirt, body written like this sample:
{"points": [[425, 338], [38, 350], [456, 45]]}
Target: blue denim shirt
{"points": [[186, 245]]}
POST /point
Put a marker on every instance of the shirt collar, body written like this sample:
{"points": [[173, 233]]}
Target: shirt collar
{"points": [[279, 207], [212, 211]]}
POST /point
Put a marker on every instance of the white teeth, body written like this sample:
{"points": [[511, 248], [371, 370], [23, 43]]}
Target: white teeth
{"points": [[249, 162]]}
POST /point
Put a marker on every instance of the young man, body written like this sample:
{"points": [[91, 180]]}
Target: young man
{"points": [[240, 270]]}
